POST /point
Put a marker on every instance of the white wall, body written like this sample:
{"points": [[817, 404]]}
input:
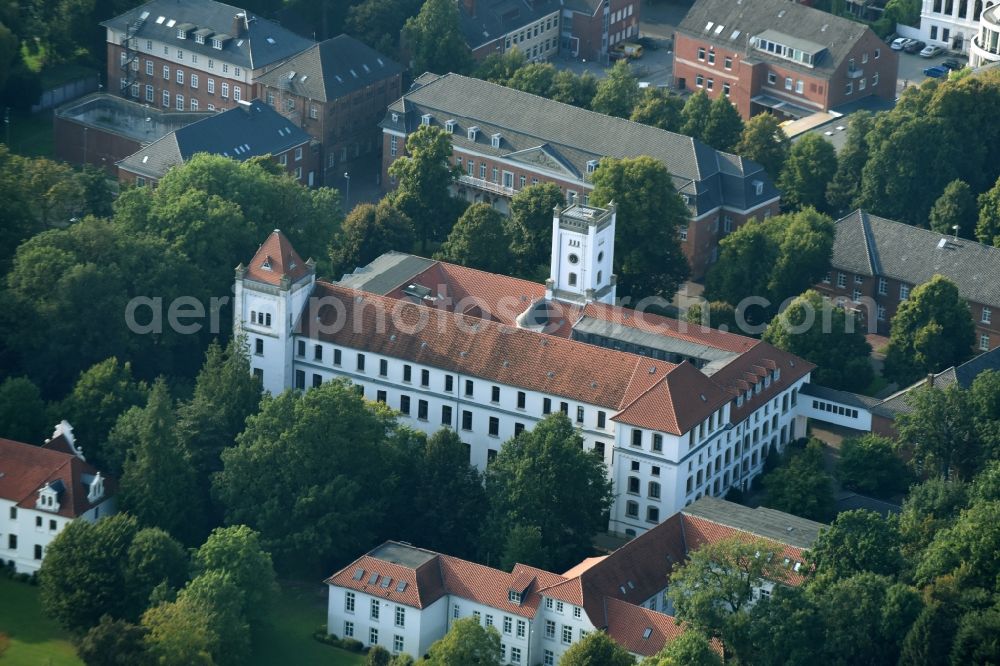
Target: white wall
{"points": [[25, 526], [836, 413]]}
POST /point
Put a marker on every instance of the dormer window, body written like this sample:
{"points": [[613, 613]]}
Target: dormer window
{"points": [[199, 39], [495, 140], [591, 166], [449, 126], [514, 596], [96, 490], [181, 33], [267, 264], [48, 499], [473, 133], [217, 44], [758, 187], [425, 119]]}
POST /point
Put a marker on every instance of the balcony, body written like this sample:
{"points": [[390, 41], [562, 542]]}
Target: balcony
{"points": [[486, 186]]}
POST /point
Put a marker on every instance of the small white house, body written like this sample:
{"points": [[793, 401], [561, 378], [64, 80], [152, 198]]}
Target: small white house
{"points": [[42, 489]]}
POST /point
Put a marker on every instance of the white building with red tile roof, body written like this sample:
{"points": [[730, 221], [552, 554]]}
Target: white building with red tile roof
{"points": [[43, 489], [404, 597], [675, 410]]}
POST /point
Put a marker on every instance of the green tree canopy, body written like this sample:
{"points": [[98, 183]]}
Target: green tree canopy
{"points": [[826, 335], [223, 603], [694, 116], [424, 177], [801, 486], [535, 78], [932, 330], [955, 211], [618, 92], [857, 541], [870, 465], [369, 231], [717, 314], [691, 648], [648, 257], [765, 142], [724, 126], [967, 550], [434, 39], [569, 88], [467, 643], [500, 67], [478, 240], [596, 648], [113, 643], [529, 227], [785, 630], [843, 191], [659, 108], [237, 552], [988, 224], [156, 561], [811, 165], [543, 477], [929, 507], [23, 414], [179, 633]]}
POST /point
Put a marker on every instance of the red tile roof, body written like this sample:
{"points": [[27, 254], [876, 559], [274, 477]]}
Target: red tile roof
{"points": [[750, 368], [475, 347], [675, 404], [628, 625], [423, 585], [25, 469], [488, 586], [275, 259]]}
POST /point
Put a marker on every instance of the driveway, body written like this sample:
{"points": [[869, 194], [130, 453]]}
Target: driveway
{"points": [[911, 67]]}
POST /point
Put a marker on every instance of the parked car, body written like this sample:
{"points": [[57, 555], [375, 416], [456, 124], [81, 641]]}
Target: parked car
{"points": [[899, 43], [951, 63], [936, 72], [930, 51], [915, 46]]}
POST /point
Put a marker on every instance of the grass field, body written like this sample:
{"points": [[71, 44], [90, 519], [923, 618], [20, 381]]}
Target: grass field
{"points": [[287, 638], [34, 639]]}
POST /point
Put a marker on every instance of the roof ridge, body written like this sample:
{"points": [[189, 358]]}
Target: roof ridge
{"points": [[742, 529], [871, 250]]}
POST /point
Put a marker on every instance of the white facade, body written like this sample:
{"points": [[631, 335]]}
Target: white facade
{"points": [[583, 241], [25, 534], [950, 24], [985, 47]]}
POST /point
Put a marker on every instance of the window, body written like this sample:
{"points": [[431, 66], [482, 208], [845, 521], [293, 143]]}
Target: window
{"points": [[373, 636], [711, 57], [397, 643], [904, 292], [445, 415], [149, 68], [579, 414], [381, 396], [883, 286], [772, 78], [336, 357], [548, 658], [632, 509], [841, 280], [466, 420], [149, 93], [180, 102], [298, 151], [495, 394], [788, 83], [194, 104], [652, 514], [550, 626], [300, 379], [210, 86], [515, 655], [682, 234], [546, 405], [166, 73], [38, 552], [225, 89], [984, 342], [654, 490], [987, 315], [375, 609], [522, 627], [456, 611], [728, 63], [567, 635], [849, 88], [799, 86], [633, 485], [449, 383], [393, 146], [508, 624], [881, 313], [348, 629], [709, 83], [349, 602], [636, 437], [701, 53], [404, 404], [400, 616], [878, 52], [180, 76], [856, 296], [361, 362], [725, 89], [38, 519], [657, 442], [875, 79], [237, 92], [518, 429], [521, 399], [469, 388], [494, 426], [699, 80], [318, 352]]}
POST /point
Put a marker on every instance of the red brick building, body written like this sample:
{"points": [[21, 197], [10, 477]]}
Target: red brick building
{"points": [[877, 262], [591, 27], [193, 55], [505, 140], [780, 56], [337, 91], [249, 130], [496, 26]]}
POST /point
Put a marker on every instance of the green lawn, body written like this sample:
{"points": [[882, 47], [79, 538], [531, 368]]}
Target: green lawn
{"points": [[287, 638], [35, 640]]}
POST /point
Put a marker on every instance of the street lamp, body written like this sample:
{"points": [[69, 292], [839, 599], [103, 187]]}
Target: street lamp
{"points": [[347, 196], [85, 146]]}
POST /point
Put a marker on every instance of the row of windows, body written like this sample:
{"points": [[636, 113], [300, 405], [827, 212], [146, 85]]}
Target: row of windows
{"points": [[178, 101], [12, 545], [709, 84], [398, 643], [862, 84], [565, 635], [709, 57], [823, 406], [194, 56]]}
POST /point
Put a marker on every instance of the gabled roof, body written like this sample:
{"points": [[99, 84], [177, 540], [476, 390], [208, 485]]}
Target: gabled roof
{"points": [[25, 469], [676, 403], [331, 69], [249, 130], [496, 18], [572, 137], [276, 259], [640, 630], [750, 368], [733, 23], [263, 42], [870, 245]]}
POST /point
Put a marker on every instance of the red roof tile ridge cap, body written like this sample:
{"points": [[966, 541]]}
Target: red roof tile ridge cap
{"points": [[51, 475]]}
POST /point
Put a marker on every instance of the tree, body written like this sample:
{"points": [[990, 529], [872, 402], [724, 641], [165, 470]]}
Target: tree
{"points": [[929, 507], [844, 190], [738, 274], [869, 465], [425, 175], [659, 108], [369, 231], [977, 639], [932, 330], [967, 550], [691, 648], [724, 126], [82, 576], [155, 561], [499, 68], [224, 604], [694, 116], [648, 258], [765, 142], [237, 552], [955, 211], [158, 483], [714, 590], [378, 656], [179, 633], [857, 541], [825, 335], [327, 506], [523, 544], [717, 314], [569, 88], [478, 240], [467, 643], [811, 164], [785, 629], [535, 78], [434, 39], [929, 640], [543, 477], [801, 487], [378, 23], [529, 227], [113, 643], [617, 93], [101, 394], [596, 648], [988, 225], [23, 414], [448, 502]]}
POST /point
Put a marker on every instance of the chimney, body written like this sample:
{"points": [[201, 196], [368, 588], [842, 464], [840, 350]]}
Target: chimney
{"points": [[930, 380], [239, 25], [470, 7]]}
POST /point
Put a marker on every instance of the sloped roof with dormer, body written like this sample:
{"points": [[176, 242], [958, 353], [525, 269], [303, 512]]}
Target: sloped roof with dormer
{"points": [[562, 139], [492, 19], [275, 260]]}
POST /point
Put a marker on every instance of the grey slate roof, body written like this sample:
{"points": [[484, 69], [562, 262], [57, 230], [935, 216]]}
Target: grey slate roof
{"points": [[495, 18], [801, 25], [331, 69], [842, 397], [763, 522], [250, 129], [570, 137], [870, 245], [386, 272], [264, 43]]}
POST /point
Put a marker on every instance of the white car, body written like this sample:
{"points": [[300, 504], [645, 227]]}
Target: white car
{"points": [[930, 51], [900, 43]]}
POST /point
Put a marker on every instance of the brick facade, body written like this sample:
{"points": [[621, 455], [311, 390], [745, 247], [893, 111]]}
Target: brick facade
{"points": [[78, 144], [585, 36]]}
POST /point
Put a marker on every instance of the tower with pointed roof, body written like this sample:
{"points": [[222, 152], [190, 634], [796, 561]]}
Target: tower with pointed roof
{"points": [[270, 295], [583, 252]]}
